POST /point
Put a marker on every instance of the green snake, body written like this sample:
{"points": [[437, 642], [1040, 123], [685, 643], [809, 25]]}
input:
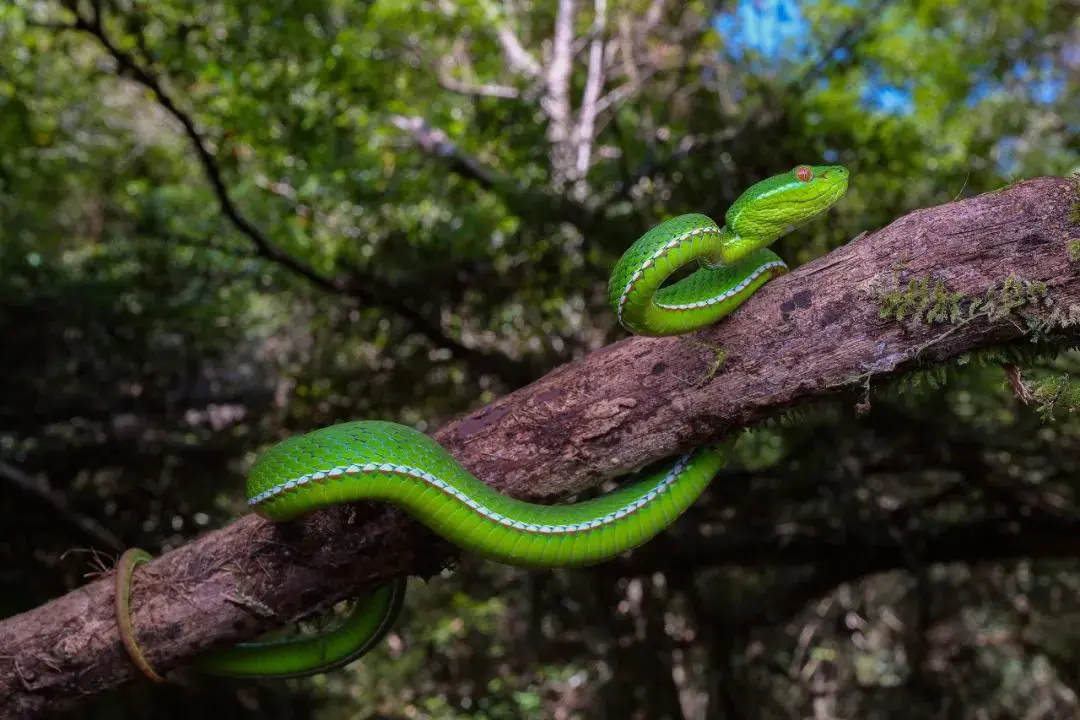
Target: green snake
{"points": [[375, 460]]}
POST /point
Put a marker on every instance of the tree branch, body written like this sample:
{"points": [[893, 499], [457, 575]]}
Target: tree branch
{"points": [[594, 83], [556, 101], [535, 204], [449, 82], [129, 66], [601, 416], [365, 288], [436, 142], [458, 60], [1040, 536], [520, 59], [87, 526], [846, 39]]}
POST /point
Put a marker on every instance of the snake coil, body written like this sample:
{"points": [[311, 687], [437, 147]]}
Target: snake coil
{"points": [[376, 460]]}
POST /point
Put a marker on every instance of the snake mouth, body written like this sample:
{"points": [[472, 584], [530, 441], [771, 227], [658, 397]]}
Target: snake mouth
{"points": [[835, 189], [808, 207], [842, 175]]}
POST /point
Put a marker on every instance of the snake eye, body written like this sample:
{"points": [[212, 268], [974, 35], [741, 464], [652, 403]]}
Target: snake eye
{"points": [[804, 174]]}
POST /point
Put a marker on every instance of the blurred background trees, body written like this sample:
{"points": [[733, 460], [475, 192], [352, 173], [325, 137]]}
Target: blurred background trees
{"points": [[223, 222]]}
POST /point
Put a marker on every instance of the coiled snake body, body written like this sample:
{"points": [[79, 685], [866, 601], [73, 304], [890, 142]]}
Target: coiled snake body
{"points": [[375, 460]]}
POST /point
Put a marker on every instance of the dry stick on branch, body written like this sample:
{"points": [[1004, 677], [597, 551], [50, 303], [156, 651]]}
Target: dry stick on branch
{"points": [[815, 332]]}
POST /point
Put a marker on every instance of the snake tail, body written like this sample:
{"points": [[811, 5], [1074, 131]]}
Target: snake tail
{"points": [[125, 568], [364, 627]]}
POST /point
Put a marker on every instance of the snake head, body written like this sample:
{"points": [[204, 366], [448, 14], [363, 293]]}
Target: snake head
{"points": [[775, 206]]}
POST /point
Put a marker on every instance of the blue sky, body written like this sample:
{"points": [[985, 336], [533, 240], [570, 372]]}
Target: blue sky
{"points": [[775, 35], [772, 28]]}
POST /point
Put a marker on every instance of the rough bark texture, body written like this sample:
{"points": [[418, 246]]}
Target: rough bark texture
{"points": [[815, 332]]}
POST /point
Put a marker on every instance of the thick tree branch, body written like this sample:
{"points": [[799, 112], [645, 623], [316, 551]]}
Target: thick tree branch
{"points": [[813, 333], [364, 288]]}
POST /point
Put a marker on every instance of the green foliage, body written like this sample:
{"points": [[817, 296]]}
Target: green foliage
{"points": [[1075, 210], [414, 194], [1057, 395]]}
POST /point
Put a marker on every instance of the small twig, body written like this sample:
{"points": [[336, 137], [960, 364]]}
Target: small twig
{"points": [[1016, 382], [520, 59], [249, 603], [100, 567], [846, 38]]}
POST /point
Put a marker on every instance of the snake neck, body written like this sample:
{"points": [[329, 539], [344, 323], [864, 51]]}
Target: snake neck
{"points": [[730, 247]]}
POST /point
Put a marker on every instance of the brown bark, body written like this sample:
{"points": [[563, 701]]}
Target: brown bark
{"points": [[815, 332]]}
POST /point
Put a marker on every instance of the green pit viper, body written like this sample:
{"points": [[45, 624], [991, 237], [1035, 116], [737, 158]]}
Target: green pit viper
{"points": [[375, 460]]}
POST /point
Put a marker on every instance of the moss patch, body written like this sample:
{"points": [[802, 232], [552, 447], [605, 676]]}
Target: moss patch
{"points": [[931, 302], [1027, 304], [1057, 394], [925, 300], [1074, 215]]}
